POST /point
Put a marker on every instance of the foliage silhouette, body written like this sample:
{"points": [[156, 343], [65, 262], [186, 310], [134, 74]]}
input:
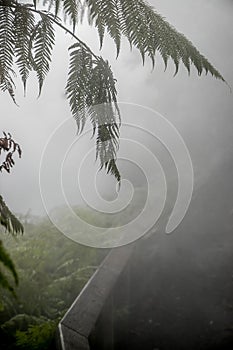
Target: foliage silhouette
{"points": [[7, 218], [27, 38]]}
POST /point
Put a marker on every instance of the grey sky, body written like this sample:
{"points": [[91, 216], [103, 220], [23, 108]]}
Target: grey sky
{"points": [[199, 107]]}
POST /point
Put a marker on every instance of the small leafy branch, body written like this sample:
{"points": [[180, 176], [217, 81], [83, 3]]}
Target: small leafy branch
{"points": [[27, 38], [8, 145]]}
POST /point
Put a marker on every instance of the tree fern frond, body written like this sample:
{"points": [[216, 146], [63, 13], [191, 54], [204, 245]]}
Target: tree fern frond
{"points": [[96, 16], [77, 87], [24, 26], [43, 40], [144, 28], [149, 32], [105, 14], [57, 6], [90, 79], [100, 25], [106, 147], [91, 93], [105, 116], [112, 169], [8, 220], [70, 8], [6, 82], [7, 51]]}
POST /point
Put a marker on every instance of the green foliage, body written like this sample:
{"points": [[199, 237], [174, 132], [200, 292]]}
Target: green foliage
{"points": [[37, 337], [52, 270], [27, 37], [20, 322], [6, 260], [6, 264]]}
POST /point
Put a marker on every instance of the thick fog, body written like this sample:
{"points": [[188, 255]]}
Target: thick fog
{"points": [[177, 290]]}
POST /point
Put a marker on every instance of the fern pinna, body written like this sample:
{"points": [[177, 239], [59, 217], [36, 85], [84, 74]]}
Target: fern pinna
{"points": [[27, 37]]}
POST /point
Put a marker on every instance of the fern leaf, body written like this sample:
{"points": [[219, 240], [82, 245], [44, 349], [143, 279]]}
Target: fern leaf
{"points": [[70, 8], [105, 116], [90, 80], [24, 26], [149, 32], [7, 51], [105, 14], [57, 7], [43, 40], [100, 24], [91, 93], [146, 30], [77, 88]]}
